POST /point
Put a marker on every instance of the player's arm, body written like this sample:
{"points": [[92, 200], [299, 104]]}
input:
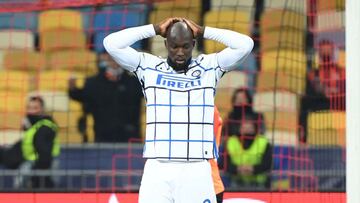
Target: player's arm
{"points": [[118, 44], [238, 45]]}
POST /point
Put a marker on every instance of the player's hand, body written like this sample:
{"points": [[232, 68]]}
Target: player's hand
{"points": [[196, 29], [161, 28]]}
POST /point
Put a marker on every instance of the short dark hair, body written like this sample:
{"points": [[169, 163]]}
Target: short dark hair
{"points": [[38, 99]]}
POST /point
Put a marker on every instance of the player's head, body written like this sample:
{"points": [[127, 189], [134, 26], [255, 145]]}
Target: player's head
{"points": [[179, 44], [35, 106]]}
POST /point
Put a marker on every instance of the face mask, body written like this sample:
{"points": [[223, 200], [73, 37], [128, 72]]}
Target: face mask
{"points": [[102, 65]]}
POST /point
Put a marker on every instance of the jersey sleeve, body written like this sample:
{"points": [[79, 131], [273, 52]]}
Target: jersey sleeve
{"points": [[238, 46], [117, 44]]}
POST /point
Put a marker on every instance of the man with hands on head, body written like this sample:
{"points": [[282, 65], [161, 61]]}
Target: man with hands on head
{"points": [[179, 93]]}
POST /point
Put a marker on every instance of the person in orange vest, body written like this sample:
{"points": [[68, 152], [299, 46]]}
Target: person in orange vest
{"points": [[218, 184]]}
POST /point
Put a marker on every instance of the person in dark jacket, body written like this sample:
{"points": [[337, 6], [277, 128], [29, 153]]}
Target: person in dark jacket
{"points": [[39, 144], [113, 97]]}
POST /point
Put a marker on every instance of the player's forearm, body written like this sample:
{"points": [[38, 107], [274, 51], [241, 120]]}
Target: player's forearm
{"points": [[239, 46], [118, 44]]}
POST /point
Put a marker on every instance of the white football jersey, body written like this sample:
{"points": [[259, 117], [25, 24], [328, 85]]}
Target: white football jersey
{"points": [[179, 108]]}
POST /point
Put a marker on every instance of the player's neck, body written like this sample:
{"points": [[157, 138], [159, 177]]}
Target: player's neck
{"points": [[177, 68]]}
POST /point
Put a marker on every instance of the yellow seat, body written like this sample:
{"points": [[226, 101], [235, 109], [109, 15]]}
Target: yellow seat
{"points": [[326, 120], [2, 53], [69, 136], [54, 40], [232, 4], [63, 19], [278, 101], [176, 4], [239, 21], [11, 120], [84, 61], [233, 79], [293, 5], [270, 80], [290, 61], [330, 20], [280, 120], [157, 16], [332, 137], [12, 101], [274, 19], [326, 5], [223, 100], [14, 81], [24, 60], [283, 38], [57, 80], [16, 39]]}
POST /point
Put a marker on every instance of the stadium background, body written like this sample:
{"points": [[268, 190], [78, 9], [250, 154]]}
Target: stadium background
{"points": [[45, 42]]}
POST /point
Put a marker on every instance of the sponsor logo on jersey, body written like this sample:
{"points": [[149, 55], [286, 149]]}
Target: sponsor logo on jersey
{"points": [[177, 82]]}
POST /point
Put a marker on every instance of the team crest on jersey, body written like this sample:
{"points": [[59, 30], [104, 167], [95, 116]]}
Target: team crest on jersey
{"points": [[177, 82], [196, 73]]}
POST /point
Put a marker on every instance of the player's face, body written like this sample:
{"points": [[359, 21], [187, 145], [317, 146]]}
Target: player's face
{"points": [[180, 49]]}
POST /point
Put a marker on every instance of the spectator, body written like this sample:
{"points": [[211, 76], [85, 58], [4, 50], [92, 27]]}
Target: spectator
{"points": [[325, 88], [38, 147], [113, 98], [242, 106], [250, 156]]}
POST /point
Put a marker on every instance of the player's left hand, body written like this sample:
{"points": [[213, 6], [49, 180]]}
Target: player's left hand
{"points": [[196, 29]]}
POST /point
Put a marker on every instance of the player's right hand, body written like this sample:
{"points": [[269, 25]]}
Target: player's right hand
{"points": [[161, 28]]}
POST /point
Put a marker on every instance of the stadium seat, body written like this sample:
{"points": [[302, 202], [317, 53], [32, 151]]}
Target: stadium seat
{"points": [[11, 120], [283, 38], [282, 137], [57, 80], [19, 20], [176, 4], [233, 80], [14, 81], [106, 22], [239, 21], [82, 61], [293, 5], [278, 101], [325, 5], [280, 80], [330, 20], [2, 53], [290, 61], [14, 102], [326, 120], [232, 4], [16, 39], [337, 37], [24, 60], [277, 18], [53, 40], [281, 120], [60, 20], [10, 137], [326, 137]]}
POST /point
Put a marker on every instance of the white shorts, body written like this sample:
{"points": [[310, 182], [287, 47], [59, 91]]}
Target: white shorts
{"points": [[176, 182]]}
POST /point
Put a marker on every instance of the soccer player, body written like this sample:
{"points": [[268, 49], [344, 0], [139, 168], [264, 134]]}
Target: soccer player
{"points": [[179, 93]]}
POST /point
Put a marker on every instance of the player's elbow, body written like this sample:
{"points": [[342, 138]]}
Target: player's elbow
{"points": [[106, 43], [249, 44]]}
